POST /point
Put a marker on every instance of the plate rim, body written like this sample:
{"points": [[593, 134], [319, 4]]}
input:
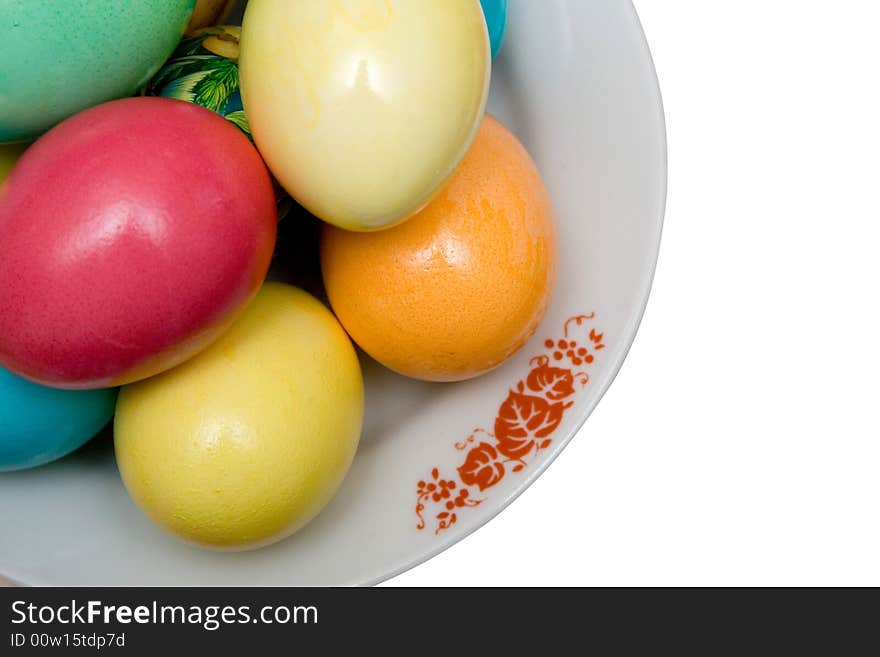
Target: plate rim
{"points": [[629, 334]]}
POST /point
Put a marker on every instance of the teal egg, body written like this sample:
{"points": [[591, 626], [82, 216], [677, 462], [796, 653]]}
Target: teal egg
{"points": [[496, 20], [204, 70], [62, 56], [39, 425]]}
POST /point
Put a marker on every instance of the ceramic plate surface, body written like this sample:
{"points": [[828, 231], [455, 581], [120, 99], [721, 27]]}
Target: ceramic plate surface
{"points": [[576, 83]]}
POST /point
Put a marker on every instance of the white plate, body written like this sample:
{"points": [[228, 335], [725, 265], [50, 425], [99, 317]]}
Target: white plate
{"points": [[576, 83]]}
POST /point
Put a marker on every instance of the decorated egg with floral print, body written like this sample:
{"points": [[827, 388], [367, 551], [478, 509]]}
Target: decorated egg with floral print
{"points": [[204, 70]]}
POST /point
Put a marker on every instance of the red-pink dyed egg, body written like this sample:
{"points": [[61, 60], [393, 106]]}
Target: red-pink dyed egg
{"points": [[130, 236]]}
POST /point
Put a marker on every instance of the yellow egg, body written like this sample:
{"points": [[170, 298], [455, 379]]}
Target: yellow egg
{"points": [[247, 442], [363, 108]]}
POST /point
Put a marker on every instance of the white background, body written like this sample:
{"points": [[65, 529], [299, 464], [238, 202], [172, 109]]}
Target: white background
{"points": [[740, 444]]}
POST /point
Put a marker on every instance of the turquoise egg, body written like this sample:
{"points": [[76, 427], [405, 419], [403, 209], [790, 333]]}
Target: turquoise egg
{"points": [[39, 425], [496, 19], [62, 56]]}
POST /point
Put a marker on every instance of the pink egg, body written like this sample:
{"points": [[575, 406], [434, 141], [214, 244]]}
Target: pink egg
{"points": [[130, 237]]}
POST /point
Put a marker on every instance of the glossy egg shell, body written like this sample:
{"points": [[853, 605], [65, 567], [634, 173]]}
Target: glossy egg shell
{"points": [[362, 109], [130, 236], [39, 425], [244, 444], [462, 285], [496, 20], [62, 56]]}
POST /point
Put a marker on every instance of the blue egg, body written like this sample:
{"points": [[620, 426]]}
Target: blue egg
{"points": [[496, 19], [39, 425]]}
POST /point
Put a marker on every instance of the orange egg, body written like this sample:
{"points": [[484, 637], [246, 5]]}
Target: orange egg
{"points": [[461, 286]]}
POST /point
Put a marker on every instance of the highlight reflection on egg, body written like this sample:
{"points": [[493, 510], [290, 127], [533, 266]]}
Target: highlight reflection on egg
{"points": [[130, 236], [462, 285], [362, 109], [247, 442]]}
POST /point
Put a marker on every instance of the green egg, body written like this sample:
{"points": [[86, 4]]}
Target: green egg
{"points": [[62, 56]]}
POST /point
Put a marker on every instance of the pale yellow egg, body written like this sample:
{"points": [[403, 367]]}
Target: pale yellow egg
{"points": [[363, 108], [246, 443]]}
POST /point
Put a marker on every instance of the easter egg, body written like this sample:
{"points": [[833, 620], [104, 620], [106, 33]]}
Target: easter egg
{"points": [[496, 20], [9, 154], [461, 286], [204, 70], [130, 236], [39, 425], [62, 57], [246, 443], [208, 13], [363, 109]]}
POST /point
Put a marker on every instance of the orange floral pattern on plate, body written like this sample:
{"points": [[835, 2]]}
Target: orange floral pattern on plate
{"points": [[524, 426]]}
